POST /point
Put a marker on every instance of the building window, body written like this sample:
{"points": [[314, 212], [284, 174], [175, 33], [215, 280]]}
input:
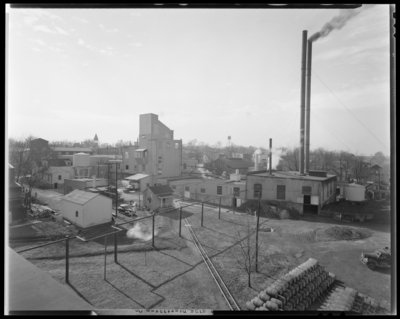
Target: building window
{"points": [[257, 190], [63, 153], [160, 144], [173, 187], [143, 168], [126, 166], [281, 190], [168, 145], [187, 188], [76, 214], [147, 184], [184, 165], [177, 146], [134, 168], [236, 191], [202, 190], [306, 190], [59, 177], [160, 160], [219, 190], [159, 172]]}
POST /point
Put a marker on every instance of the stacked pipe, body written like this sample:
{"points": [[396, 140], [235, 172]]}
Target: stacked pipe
{"points": [[296, 290]]}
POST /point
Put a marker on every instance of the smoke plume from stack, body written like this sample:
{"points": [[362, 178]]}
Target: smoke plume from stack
{"points": [[276, 156], [338, 22]]}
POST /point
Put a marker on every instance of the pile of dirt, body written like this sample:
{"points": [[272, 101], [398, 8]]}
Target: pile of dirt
{"points": [[342, 233]]}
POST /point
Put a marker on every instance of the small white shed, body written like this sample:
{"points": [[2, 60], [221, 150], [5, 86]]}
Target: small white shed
{"points": [[85, 209]]}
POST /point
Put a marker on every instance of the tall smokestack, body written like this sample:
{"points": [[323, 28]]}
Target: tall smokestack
{"points": [[308, 105], [302, 100], [270, 156]]}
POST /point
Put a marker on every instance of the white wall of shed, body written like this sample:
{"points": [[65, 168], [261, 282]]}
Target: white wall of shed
{"points": [[97, 211], [69, 210]]}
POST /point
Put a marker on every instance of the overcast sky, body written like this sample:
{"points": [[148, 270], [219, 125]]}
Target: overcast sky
{"points": [[208, 74]]}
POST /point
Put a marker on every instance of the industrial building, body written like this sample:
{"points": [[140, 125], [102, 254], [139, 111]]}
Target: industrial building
{"points": [[140, 181], [86, 209], [158, 154], [305, 193], [88, 184], [189, 165], [232, 191]]}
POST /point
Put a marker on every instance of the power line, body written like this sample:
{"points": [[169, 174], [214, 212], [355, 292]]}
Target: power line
{"points": [[350, 111], [332, 133]]}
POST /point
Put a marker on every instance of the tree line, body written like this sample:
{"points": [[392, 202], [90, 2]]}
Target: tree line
{"points": [[345, 165]]}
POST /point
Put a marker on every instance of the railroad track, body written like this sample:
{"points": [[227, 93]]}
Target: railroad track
{"points": [[214, 273]]}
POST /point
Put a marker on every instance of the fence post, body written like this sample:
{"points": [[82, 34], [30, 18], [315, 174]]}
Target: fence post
{"points": [[202, 211], [153, 229], [180, 222], [67, 260], [258, 222], [115, 248], [219, 210], [105, 256]]}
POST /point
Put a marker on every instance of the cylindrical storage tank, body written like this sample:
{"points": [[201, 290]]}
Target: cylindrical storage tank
{"points": [[354, 192], [81, 159]]}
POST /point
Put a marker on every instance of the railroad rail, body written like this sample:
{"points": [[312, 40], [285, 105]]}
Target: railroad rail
{"points": [[214, 273]]}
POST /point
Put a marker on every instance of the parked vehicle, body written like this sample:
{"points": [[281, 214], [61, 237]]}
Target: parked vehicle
{"points": [[379, 258], [129, 188], [126, 210]]}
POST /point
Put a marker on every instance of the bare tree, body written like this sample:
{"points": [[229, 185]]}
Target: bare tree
{"points": [[245, 252], [289, 160], [361, 169], [33, 163]]}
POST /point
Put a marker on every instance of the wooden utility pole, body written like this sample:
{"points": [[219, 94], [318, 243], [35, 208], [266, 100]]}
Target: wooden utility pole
{"points": [[153, 228], [219, 209], [67, 260], [105, 256], [115, 248], [202, 212], [180, 222], [116, 189], [258, 223]]}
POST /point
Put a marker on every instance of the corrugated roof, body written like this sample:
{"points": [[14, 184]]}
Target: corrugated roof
{"points": [[137, 177], [79, 197], [237, 163], [161, 190]]}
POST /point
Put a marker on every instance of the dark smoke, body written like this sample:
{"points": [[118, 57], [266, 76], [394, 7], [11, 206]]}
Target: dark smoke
{"points": [[338, 22]]}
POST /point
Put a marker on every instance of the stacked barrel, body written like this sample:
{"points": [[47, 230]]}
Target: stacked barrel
{"points": [[296, 290], [340, 299]]}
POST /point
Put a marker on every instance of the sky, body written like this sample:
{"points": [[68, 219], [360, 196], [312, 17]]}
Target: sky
{"points": [[207, 73]]}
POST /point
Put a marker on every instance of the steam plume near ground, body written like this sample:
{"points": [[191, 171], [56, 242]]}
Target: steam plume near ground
{"points": [[339, 21], [141, 231]]}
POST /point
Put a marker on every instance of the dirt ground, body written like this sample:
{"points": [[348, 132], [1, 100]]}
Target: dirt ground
{"points": [[174, 276]]}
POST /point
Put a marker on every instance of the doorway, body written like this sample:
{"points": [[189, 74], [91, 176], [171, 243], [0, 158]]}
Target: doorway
{"points": [[234, 202], [307, 207], [55, 185]]}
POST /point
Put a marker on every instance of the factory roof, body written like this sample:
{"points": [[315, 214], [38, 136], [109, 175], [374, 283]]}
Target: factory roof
{"points": [[79, 197], [291, 175]]}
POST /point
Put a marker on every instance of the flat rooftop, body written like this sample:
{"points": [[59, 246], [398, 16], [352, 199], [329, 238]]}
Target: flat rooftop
{"points": [[292, 175]]}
